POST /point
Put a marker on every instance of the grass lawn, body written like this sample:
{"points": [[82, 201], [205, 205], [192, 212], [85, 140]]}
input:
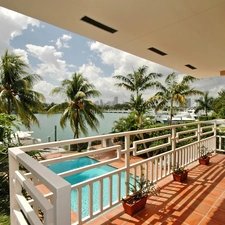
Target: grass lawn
{"points": [[4, 220]]}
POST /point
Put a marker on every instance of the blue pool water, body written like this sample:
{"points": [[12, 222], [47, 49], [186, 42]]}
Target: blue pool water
{"points": [[86, 175]]}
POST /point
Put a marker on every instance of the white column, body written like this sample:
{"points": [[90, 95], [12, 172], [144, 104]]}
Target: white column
{"points": [[14, 187]]}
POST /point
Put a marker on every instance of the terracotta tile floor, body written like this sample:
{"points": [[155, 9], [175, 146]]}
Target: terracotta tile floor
{"points": [[198, 200]]}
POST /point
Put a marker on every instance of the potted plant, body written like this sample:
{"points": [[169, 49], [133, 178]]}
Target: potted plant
{"points": [[179, 173], [139, 190], [204, 155]]}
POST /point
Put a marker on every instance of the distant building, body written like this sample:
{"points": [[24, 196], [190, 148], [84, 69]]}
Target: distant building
{"points": [[188, 105], [96, 102], [109, 103], [115, 102], [101, 102]]}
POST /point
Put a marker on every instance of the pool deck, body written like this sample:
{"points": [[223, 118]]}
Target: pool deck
{"points": [[198, 200]]}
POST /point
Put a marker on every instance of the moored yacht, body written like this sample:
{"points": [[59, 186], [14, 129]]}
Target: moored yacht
{"points": [[25, 138], [184, 116], [180, 117]]}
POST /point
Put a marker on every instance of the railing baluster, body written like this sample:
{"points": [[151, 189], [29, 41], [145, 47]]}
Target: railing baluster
{"points": [[110, 191], [101, 194], [119, 186], [79, 205], [90, 186]]}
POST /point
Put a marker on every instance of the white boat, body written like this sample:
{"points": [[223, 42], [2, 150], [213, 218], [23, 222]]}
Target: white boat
{"points": [[181, 116], [184, 116], [25, 138], [162, 116]]}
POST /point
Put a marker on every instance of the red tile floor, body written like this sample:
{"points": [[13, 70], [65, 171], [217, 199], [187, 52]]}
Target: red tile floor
{"points": [[198, 200]]}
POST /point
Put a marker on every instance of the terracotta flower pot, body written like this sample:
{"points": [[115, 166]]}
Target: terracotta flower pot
{"points": [[134, 207], [204, 161], [180, 177]]}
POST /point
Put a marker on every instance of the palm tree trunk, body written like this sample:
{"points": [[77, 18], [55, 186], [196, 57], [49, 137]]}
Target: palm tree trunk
{"points": [[171, 112], [76, 135], [141, 135], [9, 108], [206, 112]]}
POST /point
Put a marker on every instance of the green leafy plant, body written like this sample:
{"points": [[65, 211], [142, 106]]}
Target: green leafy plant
{"points": [[141, 187], [177, 169], [6, 134], [203, 152]]}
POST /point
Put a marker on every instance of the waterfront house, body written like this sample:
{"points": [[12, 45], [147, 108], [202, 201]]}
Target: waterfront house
{"points": [[187, 36]]}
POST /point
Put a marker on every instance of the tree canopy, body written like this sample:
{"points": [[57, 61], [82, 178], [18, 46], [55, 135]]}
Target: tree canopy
{"points": [[204, 103], [139, 80], [174, 92], [79, 110], [16, 89]]}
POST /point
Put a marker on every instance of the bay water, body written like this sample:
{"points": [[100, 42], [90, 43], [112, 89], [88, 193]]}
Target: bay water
{"points": [[48, 123]]}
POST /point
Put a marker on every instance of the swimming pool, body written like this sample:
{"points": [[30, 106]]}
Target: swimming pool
{"points": [[86, 175]]}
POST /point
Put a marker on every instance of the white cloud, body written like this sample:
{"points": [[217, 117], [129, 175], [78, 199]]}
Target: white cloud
{"points": [[123, 64], [213, 85], [62, 41], [66, 37], [50, 64], [12, 24], [23, 55], [58, 43], [106, 85], [45, 88], [90, 71]]}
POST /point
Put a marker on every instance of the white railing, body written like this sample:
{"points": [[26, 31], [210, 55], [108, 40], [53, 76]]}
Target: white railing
{"points": [[178, 144], [221, 144]]}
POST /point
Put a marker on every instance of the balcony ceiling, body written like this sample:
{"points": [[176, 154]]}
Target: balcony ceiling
{"points": [[188, 31]]}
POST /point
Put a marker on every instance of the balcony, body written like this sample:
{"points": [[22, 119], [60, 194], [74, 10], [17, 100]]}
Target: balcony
{"points": [[198, 200]]}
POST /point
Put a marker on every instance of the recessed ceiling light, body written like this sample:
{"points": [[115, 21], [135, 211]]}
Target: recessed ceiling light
{"points": [[157, 51], [97, 24], [190, 66]]}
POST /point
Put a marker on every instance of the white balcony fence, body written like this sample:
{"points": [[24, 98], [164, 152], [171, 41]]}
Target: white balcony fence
{"points": [[177, 145]]}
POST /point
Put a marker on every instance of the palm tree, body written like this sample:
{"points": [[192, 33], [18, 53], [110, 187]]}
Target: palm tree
{"points": [[79, 111], [16, 94], [205, 103], [140, 107], [218, 104], [138, 81], [173, 92]]}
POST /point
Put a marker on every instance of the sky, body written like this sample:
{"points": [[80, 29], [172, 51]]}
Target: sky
{"points": [[56, 54]]}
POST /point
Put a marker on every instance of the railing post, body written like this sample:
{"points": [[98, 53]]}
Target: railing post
{"points": [[104, 143], [14, 187], [173, 146], [62, 210], [214, 144], [127, 159], [199, 140], [220, 143]]}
